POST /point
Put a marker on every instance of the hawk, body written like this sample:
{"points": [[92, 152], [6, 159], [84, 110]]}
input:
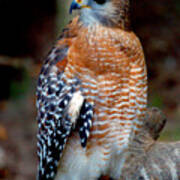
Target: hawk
{"points": [[91, 94]]}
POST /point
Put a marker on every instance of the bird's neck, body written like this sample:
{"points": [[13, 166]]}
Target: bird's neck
{"points": [[121, 19]]}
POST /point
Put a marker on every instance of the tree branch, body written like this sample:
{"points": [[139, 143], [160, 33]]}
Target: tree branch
{"points": [[149, 159]]}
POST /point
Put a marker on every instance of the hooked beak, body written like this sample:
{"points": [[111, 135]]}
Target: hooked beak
{"points": [[77, 4]]}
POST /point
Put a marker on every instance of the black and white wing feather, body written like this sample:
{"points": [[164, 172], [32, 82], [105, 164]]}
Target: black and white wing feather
{"points": [[61, 109]]}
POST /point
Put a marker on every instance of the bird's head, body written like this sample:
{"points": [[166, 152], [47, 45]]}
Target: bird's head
{"points": [[105, 12]]}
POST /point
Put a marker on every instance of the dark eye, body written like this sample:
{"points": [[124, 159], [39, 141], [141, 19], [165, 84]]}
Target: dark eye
{"points": [[100, 1]]}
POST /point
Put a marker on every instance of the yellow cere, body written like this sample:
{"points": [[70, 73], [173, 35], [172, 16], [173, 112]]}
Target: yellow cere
{"points": [[85, 6]]}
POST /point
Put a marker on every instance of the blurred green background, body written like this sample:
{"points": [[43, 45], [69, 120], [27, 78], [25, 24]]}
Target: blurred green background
{"points": [[27, 32]]}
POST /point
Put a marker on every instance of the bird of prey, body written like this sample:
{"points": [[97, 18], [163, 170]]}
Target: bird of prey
{"points": [[91, 94]]}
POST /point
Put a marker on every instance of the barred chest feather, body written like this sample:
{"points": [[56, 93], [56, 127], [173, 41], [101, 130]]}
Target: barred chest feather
{"points": [[110, 65]]}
